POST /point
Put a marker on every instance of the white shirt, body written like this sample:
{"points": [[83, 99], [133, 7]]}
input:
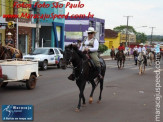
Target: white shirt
{"points": [[152, 49], [143, 49], [93, 49], [135, 49]]}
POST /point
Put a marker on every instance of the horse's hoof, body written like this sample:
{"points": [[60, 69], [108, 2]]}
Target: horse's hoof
{"points": [[77, 110], [99, 101], [90, 100], [84, 105]]}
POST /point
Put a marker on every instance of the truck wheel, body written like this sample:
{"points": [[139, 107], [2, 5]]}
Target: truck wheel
{"points": [[3, 84], [45, 65], [31, 83]]}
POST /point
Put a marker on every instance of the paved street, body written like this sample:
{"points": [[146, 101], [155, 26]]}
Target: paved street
{"points": [[127, 96]]}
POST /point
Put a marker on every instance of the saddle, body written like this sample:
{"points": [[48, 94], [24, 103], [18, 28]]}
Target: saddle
{"points": [[91, 62]]}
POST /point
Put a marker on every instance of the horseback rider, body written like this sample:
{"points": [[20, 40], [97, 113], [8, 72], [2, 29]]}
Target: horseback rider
{"points": [[135, 55], [143, 49], [9, 43], [120, 48], [91, 45]]}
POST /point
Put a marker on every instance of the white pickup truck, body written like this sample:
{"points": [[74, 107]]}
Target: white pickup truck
{"points": [[46, 56]]}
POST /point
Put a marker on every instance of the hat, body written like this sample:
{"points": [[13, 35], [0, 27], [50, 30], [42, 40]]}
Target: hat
{"points": [[9, 34], [91, 29], [141, 44]]}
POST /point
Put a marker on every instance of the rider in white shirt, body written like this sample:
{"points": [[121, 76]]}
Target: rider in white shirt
{"points": [[135, 48], [143, 49]]}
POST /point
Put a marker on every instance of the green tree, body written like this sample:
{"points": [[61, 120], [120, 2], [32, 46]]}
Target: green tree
{"points": [[102, 48], [141, 37], [161, 40], [122, 29]]}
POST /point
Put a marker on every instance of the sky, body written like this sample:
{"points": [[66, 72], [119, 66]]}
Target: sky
{"points": [[144, 13]]}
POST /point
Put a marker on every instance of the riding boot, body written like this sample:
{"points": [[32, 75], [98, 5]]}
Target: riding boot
{"points": [[135, 61], [99, 71]]}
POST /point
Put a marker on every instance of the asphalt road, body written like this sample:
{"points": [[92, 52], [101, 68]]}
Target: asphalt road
{"points": [[127, 96]]}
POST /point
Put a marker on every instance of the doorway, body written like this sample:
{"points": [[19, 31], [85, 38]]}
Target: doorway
{"points": [[23, 43]]}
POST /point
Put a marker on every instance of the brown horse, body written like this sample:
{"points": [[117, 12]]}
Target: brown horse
{"points": [[112, 54], [120, 59], [9, 53]]}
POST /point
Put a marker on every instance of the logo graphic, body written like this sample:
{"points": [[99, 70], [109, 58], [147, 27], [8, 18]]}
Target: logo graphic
{"points": [[17, 112], [157, 48]]}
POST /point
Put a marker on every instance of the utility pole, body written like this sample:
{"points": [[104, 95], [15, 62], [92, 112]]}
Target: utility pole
{"points": [[37, 27], [127, 30], [152, 33]]}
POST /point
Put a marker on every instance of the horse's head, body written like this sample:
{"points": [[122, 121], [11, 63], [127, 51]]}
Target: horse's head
{"points": [[69, 54]]}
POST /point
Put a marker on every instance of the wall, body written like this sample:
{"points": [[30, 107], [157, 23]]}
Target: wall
{"points": [[116, 42]]}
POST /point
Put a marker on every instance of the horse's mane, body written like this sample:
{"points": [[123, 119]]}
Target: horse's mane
{"points": [[75, 48]]}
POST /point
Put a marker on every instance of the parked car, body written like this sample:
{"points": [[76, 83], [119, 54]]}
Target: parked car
{"points": [[46, 56]]}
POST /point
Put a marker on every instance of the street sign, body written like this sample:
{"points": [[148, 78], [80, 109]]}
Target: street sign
{"points": [[10, 25]]}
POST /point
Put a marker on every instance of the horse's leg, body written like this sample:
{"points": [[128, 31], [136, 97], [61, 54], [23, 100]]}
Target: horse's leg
{"points": [[118, 63], [101, 89], [80, 85], [83, 98], [139, 69], [121, 64], [91, 95], [144, 69]]}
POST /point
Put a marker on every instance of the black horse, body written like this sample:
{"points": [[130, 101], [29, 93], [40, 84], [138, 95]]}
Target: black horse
{"points": [[135, 53], [120, 59], [84, 71]]}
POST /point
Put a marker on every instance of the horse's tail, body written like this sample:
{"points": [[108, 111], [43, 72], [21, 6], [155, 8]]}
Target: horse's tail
{"points": [[103, 66]]}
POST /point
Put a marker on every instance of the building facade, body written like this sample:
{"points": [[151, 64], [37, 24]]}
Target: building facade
{"points": [[75, 29], [51, 31], [112, 38]]}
